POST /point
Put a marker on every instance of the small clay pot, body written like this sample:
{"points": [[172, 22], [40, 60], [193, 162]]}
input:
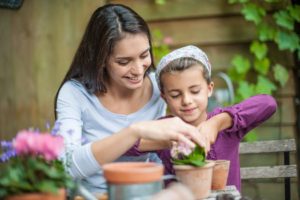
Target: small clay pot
{"points": [[220, 174], [197, 179], [132, 172]]}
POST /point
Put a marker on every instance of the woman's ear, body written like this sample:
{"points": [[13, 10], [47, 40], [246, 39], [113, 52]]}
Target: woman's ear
{"points": [[163, 96], [210, 88]]}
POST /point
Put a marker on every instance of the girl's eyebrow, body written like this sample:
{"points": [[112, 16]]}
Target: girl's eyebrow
{"points": [[120, 58]]}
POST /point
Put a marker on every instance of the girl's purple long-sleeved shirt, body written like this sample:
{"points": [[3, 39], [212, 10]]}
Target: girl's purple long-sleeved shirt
{"points": [[246, 115]]}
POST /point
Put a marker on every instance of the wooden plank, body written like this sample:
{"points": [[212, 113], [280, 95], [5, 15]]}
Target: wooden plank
{"points": [[38, 42], [269, 172], [176, 9], [207, 31], [220, 56], [267, 146]]}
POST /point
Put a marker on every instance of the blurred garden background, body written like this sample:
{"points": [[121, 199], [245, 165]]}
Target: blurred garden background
{"points": [[255, 42]]}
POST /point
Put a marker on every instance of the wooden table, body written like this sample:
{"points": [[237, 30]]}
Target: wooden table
{"points": [[230, 189]]}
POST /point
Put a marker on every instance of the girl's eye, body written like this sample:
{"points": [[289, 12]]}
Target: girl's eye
{"points": [[174, 96], [195, 91]]}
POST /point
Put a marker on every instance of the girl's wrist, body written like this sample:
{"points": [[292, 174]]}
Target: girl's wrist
{"points": [[223, 121]]}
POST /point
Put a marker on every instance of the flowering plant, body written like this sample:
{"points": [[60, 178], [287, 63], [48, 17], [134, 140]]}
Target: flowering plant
{"points": [[182, 154], [30, 164]]}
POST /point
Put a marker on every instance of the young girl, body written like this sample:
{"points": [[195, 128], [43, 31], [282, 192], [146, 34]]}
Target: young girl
{"points": [[184, 78]]}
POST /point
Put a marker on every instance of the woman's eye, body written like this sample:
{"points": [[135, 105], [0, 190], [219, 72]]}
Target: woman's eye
{"points": [[145, 55], [123, 63]]}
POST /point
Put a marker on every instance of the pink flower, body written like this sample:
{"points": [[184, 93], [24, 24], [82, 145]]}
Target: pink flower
{"points": [[34, 143], [168, 40], [180, 149]]}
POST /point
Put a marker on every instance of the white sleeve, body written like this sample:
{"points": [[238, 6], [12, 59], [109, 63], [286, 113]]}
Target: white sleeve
{"points": [[78, 158]]}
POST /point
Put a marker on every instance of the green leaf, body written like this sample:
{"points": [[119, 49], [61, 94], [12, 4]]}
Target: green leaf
{"points": [[294, 12], [47, 186], [262, 66], [196, 158], [253, 12], [241, 64], [282, 18], [266, 32], [250, 137], [259, 49], [234, 75], [264, 85], [237, 1], [245, 90], [287, 40], [160, 2], [281, 74], [271, 1]]}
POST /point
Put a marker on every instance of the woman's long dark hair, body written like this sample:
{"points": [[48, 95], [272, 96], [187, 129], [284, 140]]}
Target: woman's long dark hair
{"points": [[107, 25]]}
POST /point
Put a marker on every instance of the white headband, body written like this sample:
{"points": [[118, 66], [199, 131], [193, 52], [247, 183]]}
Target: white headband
{"points": [[184, 52]]}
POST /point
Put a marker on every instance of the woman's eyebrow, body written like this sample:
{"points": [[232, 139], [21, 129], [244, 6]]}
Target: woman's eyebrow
{"points": [[120, 58]]}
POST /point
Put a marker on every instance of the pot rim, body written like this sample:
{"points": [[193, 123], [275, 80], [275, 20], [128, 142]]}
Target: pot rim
{"points": [[208, 164], [132, 172]]}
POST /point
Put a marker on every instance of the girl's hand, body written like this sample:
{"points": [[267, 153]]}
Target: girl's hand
{"points": [[209, 129], [169, 129], [208, 133]]}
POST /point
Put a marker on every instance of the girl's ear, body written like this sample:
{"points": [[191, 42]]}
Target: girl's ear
{"points": [[210, 88]]}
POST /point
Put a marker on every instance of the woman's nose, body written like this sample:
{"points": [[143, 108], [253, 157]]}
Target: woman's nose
{"points": [[138, 68]]}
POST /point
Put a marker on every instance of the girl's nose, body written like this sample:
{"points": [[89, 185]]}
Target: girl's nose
{"points": [[186, 99]]}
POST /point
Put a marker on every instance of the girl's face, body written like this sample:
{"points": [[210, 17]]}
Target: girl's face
{"points": [[186, 93], [129, 61]]}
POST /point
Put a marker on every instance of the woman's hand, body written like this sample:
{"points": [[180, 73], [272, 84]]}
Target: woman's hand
{"points": [[169, 129]]}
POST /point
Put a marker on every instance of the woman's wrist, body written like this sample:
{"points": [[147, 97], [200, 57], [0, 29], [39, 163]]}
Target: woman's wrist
{"points": [[136, 130]]}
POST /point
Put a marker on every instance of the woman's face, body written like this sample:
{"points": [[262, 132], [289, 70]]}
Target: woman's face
{"points": [[129, 61], [186, 93]]}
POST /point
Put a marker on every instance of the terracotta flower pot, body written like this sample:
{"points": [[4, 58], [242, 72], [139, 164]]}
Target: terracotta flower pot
{"points": [[133, 180], [132, 172], [197, 179], [220, 174], [39, 196]]}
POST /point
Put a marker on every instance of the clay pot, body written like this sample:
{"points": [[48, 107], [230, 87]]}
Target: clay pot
{"points": [[133, 180], [220, 174], [197, 179], [39, 196], [132, 172]]}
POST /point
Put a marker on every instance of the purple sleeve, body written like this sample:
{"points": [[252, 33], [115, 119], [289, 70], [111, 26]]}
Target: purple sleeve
{"points": [[249, 113], [134, 150]]}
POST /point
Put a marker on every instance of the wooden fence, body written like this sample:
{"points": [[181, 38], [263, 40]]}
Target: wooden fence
{"points": [[38, 42]]}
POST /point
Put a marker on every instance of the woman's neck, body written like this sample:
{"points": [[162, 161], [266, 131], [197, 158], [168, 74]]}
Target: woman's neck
{"points": [[126, 101]]}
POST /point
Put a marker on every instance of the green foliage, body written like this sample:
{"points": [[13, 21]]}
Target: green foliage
{"points": [[267, 76], [251, 137], [159, 46], [196, 158], [254, 13], [33, 174], [160, 2]]}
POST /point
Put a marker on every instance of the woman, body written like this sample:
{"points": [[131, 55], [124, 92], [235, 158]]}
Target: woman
{"points": [[109, 98]]}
